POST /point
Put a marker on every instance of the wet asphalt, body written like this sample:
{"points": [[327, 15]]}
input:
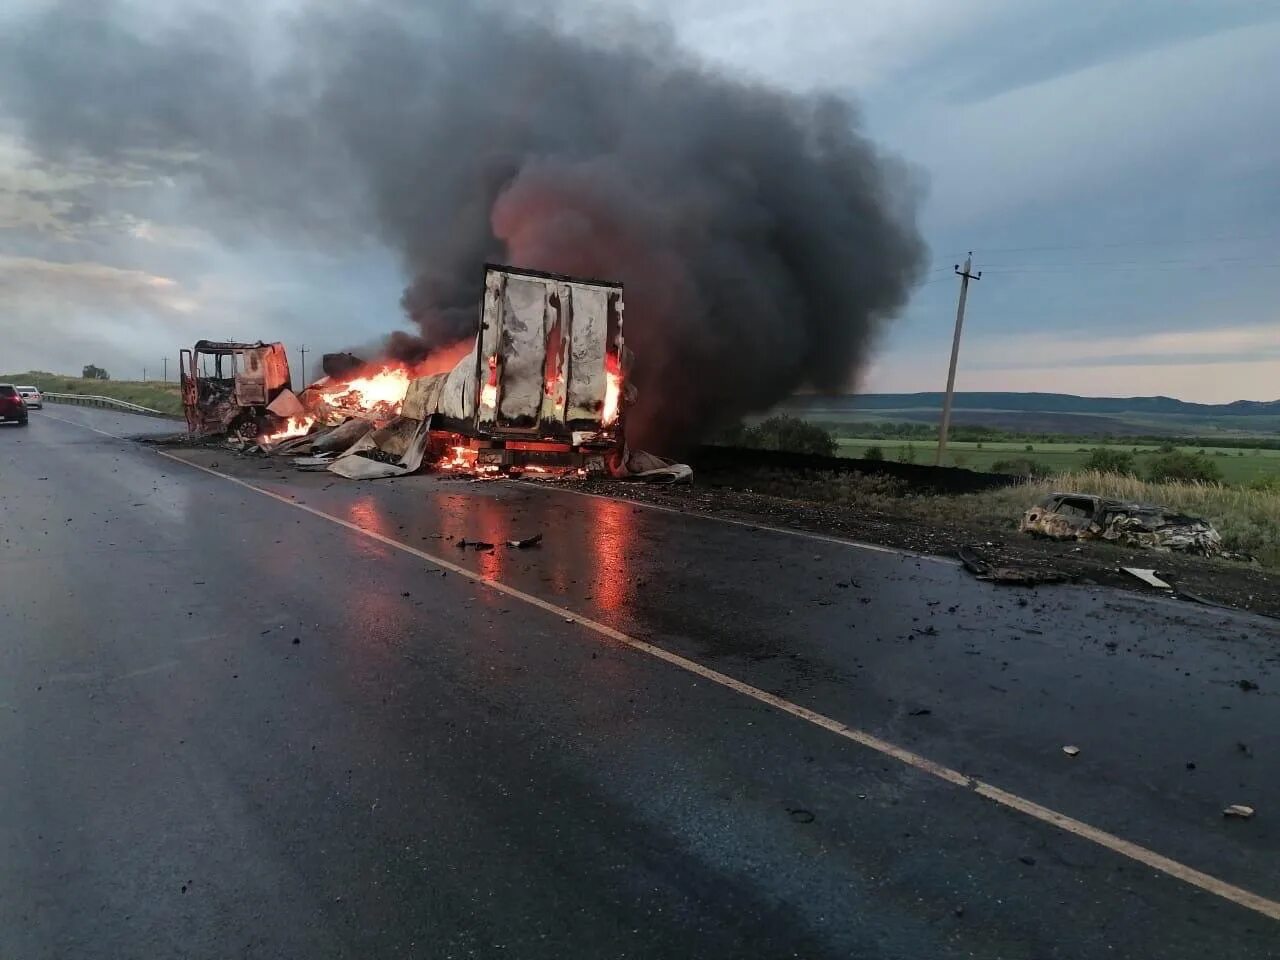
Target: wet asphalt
{"points": [[230, 727]]}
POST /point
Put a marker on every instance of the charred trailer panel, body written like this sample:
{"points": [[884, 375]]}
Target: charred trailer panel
{"points": [[549, 360]]}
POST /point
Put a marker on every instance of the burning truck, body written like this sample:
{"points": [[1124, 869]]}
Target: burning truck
{"points": [[239, 389], [542, 389]]}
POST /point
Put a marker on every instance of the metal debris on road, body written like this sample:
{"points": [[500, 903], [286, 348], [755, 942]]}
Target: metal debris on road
{"points": [[1148, 577], [1239, 811], [1071, 751], [527, 542], [1015, 576]]}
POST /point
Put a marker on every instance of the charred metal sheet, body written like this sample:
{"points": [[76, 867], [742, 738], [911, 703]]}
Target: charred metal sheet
{"points": [[556, 366], [1074, 516], [286, 405], [522, 353], [393, 451], [590, 325]]}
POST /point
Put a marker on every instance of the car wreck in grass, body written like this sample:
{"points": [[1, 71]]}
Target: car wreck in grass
{"points": [[1082, 516]]}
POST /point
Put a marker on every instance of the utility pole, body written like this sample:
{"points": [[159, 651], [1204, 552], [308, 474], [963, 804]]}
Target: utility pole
{"points": [[144, 374], [303, 350], [965, 276], [165, 361]]}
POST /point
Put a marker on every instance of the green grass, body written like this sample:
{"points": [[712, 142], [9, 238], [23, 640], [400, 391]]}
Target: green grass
{"points": [[1249, 520], [158, 395], [1065, 457]]}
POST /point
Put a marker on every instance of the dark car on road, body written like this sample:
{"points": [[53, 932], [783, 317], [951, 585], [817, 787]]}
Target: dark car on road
{"points": [[12, 406]]}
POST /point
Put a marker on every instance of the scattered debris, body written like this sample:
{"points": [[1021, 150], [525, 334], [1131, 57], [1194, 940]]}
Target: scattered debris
{"points": [[527, 542], [922, 712], [1247, 685], [647, 468], [1239, 811], [1016, 576], [478, 545], [1029, 861], [340, 438], [1082, 516], [801, 816], [1148, 577], [1071, 751]]}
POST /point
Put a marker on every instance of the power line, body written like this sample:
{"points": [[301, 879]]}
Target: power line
{"points": [[965, 276]]}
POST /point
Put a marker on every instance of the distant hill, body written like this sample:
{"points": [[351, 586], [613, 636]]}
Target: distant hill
{"points": [[1060, 413], [1035, 403]]}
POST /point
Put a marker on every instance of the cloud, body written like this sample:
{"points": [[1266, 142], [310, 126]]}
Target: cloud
{"points": [[1235, 345], [30, 283], [1212, 366]]}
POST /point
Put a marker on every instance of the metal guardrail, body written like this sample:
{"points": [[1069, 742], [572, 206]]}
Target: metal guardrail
{"points": [[109, 403]]}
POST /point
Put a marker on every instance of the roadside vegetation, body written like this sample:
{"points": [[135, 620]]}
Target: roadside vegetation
{"points": [[1173, 460], [158, 395], [1255, 463], [780, 433], [1248, 517]]}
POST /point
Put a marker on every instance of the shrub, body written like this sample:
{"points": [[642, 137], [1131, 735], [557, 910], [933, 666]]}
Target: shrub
{"points": [[907, 454], [873, 453], [1105, 460], [1021, 467], [791, 434], [1267, 484], [1029, 447], [1179, 467]]}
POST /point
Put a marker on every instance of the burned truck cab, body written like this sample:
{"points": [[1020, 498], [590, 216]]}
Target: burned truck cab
{"points": [[227, 386]]}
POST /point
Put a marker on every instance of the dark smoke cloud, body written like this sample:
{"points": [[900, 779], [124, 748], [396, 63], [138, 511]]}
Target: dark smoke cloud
{"points": [[762, 239]]}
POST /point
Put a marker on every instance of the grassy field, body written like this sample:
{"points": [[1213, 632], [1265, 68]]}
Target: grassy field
{"points": [[155, 394], [1249, 520], [1238, 466]]}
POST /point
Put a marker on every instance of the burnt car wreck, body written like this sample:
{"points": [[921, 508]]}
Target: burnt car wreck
{"points": [[1080, 516]]}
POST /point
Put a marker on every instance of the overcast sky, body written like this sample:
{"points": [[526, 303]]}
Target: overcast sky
{"points": [[1114, 167]]}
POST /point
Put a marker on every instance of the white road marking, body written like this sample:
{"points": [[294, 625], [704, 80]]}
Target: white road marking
{"points": [[751, 524], [1136, 852], [76, 423]]}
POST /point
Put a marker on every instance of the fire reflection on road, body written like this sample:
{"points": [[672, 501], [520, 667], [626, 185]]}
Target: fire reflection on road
{"points": [[612, 527]]}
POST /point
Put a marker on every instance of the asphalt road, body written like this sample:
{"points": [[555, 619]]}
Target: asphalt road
{"points": [[238, 725]]}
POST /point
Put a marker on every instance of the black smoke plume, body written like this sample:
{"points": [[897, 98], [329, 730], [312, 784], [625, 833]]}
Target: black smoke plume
{"points": [[763, 240]]}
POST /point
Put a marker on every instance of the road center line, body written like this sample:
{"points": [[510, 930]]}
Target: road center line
{"points": [[1149, 858], [1133, 851]]}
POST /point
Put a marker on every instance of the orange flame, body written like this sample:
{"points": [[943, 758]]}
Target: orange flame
{"points": [[489, 392], [612, 390], [295, 427], [462, 458], [383, 389]]}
